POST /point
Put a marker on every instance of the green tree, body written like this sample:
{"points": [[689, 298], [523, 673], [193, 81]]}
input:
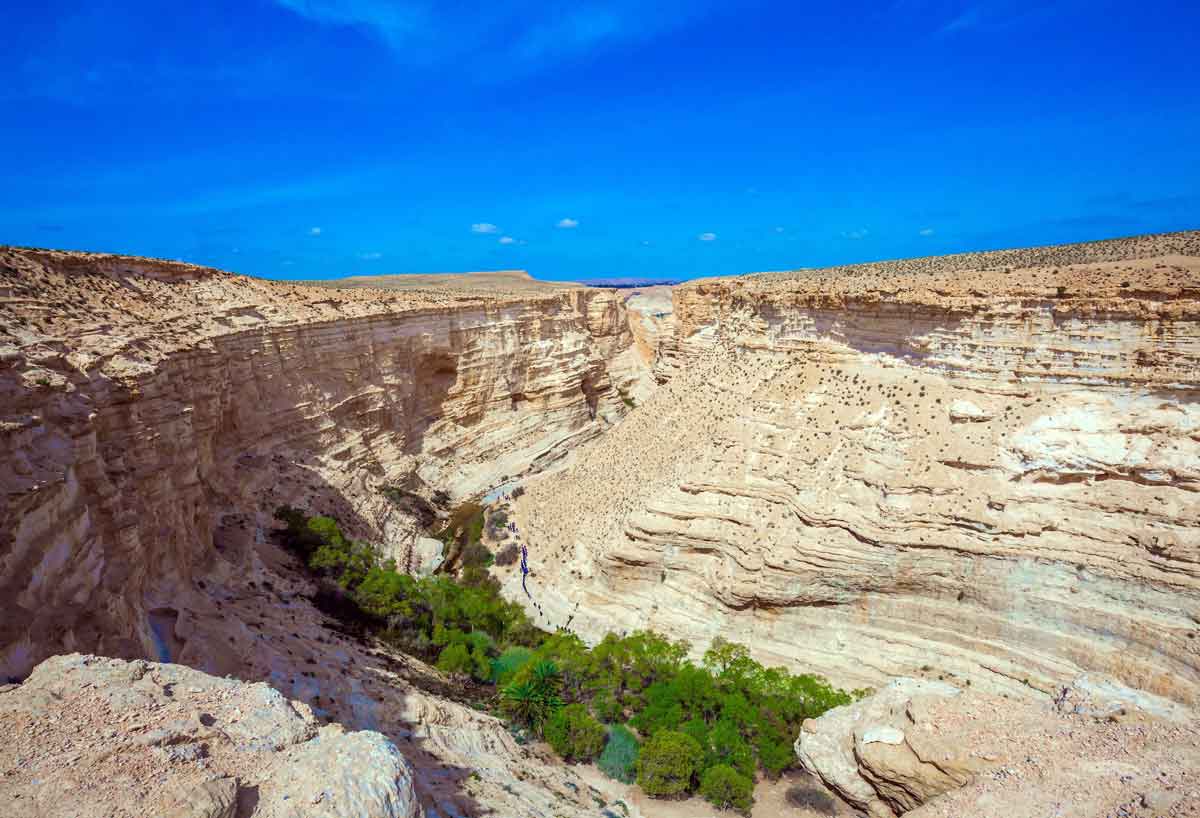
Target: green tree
{"points": [[456, 659], [574, 734], [606, 707], [662, 710], [724, 787], [726, 745], [667, 763], [696, 692], [619, 759], [774, 750], [697, 729]]}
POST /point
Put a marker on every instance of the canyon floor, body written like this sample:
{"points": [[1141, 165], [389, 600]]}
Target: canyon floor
{"points": [[971, 483]]}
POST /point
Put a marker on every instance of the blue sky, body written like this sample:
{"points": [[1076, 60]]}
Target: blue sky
{"points": [[314, 138]]}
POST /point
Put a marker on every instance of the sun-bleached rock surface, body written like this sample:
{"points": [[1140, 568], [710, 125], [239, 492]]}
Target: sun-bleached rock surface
{"points": [[152, 412], [652, 321], [982, 467], [925, 748], [879, 756], [90, 736]]}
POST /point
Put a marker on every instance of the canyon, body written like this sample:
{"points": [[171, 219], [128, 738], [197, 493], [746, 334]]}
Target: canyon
{"points": [[983, 469], [978, 470]]}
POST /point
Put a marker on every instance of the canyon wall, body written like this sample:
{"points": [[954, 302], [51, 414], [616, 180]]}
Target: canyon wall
{"points": [[154, 414], [981, 468]]}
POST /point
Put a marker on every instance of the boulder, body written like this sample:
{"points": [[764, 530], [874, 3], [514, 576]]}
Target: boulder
{"points": [[427, 556], [212, 799], [128, 739], [884, 754], [964, 411]]}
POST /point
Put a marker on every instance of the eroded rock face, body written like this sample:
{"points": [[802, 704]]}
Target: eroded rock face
{"points": [[925, 748], [882, 755], [984, 468], [154, 414], [89, 736]]}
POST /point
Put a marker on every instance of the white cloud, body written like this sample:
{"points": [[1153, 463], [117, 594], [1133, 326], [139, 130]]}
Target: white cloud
{"points": [[928, 231], [512, 37], [707, 237], [507, 240], [484, 227], [778, 229], [370, 256], [861, 233], [314, 231], [567, 224]]}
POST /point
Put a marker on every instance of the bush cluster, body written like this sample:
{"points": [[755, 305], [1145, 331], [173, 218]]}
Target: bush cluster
{"points": [[706, 727]]}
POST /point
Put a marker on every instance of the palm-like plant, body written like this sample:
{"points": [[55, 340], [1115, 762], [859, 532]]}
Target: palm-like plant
{"points": [[519, 700], [535, 699]]}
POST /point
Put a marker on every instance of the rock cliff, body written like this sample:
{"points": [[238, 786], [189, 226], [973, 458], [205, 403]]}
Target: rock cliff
{"points": [[154, 414], [983, 468]]}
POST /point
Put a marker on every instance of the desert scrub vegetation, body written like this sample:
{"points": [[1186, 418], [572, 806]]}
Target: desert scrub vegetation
{"points": [[635, 703]]}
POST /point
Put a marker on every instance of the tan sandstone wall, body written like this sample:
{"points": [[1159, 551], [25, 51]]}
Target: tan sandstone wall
{"points": [[980, 468], [152, 415]]}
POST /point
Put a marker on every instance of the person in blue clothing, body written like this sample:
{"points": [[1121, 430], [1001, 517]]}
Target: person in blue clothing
{"points": [[524, 570]]}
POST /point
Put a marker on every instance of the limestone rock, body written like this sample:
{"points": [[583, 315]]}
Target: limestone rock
{"points": [[183, 405], [340, 775], [965, 410], [1103, 697], [427, 556], [70, 728], [803, 484], [211, 799], [879, 756]]}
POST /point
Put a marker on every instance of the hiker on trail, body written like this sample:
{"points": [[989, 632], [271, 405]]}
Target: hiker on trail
{"points": [[524, 571]]}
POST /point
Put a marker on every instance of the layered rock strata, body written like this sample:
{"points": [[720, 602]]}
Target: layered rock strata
{"points": [[981, 467], [153, 413]]}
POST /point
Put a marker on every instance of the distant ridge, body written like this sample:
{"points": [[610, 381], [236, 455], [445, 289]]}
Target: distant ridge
{"points": [[631, 282]]}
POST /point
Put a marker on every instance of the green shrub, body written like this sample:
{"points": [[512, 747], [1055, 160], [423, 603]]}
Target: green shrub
{"points": [[574, 734], [619, 759], [667, 763], [533, 695], [455, 658], [774, 750], [725, 788], [606, 707], [726, 745], [509, 662], [697, 729], [662, 710]]}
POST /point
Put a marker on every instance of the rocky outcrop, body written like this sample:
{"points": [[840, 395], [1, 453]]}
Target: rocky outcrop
{"points": [[882, 755], [982, 468], [925, 748], [652, 322], [88, 736], [154, 414]]}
